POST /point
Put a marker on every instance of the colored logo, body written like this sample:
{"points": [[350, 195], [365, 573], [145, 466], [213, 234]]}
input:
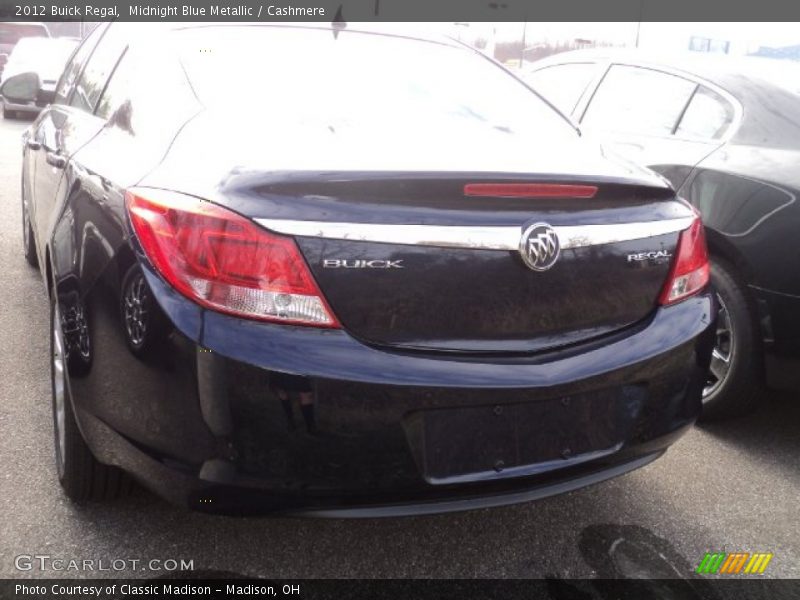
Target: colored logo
{"points": [[736, 563]]}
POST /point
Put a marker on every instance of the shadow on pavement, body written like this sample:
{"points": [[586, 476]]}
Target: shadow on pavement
{"points": [[770, 433], [631, 562]]}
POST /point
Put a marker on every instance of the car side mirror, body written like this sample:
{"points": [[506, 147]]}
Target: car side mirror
{"points": [[121, 117], [21, 88]]}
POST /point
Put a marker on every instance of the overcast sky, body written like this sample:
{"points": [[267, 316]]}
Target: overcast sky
{"points": [[652, 35]]}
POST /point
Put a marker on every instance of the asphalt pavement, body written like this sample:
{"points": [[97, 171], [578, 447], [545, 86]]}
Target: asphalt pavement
{"points": [[730, 487]]}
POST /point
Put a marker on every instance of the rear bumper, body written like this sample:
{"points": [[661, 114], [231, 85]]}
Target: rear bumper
{"points": [[184, 489], [236, 416]]}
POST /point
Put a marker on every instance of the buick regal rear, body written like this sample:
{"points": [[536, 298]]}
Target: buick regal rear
{"points": [[388, 279]]}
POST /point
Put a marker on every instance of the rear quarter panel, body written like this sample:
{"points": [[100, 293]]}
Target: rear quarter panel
{"points": [[748, 198]]}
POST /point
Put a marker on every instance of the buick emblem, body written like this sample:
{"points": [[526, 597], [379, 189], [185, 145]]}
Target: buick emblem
{"points": [[539, 246]]}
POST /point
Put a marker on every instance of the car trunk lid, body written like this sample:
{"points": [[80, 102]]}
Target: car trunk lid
{"points": [[457, 263]]}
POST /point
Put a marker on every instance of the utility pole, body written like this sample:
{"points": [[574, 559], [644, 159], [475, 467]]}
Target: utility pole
{"points": [[639, 22], [458, 26]]}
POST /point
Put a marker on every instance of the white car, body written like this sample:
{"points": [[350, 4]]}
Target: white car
{"points": [[12, 32], [44, 56]]}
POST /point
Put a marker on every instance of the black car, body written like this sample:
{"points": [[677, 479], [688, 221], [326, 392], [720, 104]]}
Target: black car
{"points": [[383, 279], [725, 132]]}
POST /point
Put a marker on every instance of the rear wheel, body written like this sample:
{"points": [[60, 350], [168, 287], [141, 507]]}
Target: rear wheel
{"points": [[733, 387], [142, 320], [79, 472]]}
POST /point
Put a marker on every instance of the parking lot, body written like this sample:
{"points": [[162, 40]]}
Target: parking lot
{"points": [[730, 487]]}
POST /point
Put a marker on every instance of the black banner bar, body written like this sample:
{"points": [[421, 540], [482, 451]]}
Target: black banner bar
{"points": [[555, 589], [401, 10]]}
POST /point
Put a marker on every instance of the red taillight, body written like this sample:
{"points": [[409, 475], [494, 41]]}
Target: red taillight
{"points": [[690, 269], [530, 190], [224, 261]]}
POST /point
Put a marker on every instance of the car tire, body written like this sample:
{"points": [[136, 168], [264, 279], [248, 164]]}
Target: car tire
{"points": [[28, 241], [80, 474], [735, 386]]}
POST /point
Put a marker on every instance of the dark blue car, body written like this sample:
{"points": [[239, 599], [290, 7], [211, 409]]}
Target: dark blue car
{"points": [[348, 272]]}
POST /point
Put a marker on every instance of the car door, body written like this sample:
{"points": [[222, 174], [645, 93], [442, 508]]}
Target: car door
{"points": [[71, 123], [49, 142], [663, 120], [142, 107]]}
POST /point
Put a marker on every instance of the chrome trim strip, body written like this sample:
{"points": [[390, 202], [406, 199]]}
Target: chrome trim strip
{"points": [[578, 236], [483, 238]]}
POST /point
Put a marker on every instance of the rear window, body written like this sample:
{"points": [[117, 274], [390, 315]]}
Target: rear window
{"points": [[563, 84], [362, 80], [11, 33], [707, 116]]}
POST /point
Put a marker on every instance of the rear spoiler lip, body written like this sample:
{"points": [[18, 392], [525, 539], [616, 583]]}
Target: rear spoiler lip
{"points": [[240, 178]]}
